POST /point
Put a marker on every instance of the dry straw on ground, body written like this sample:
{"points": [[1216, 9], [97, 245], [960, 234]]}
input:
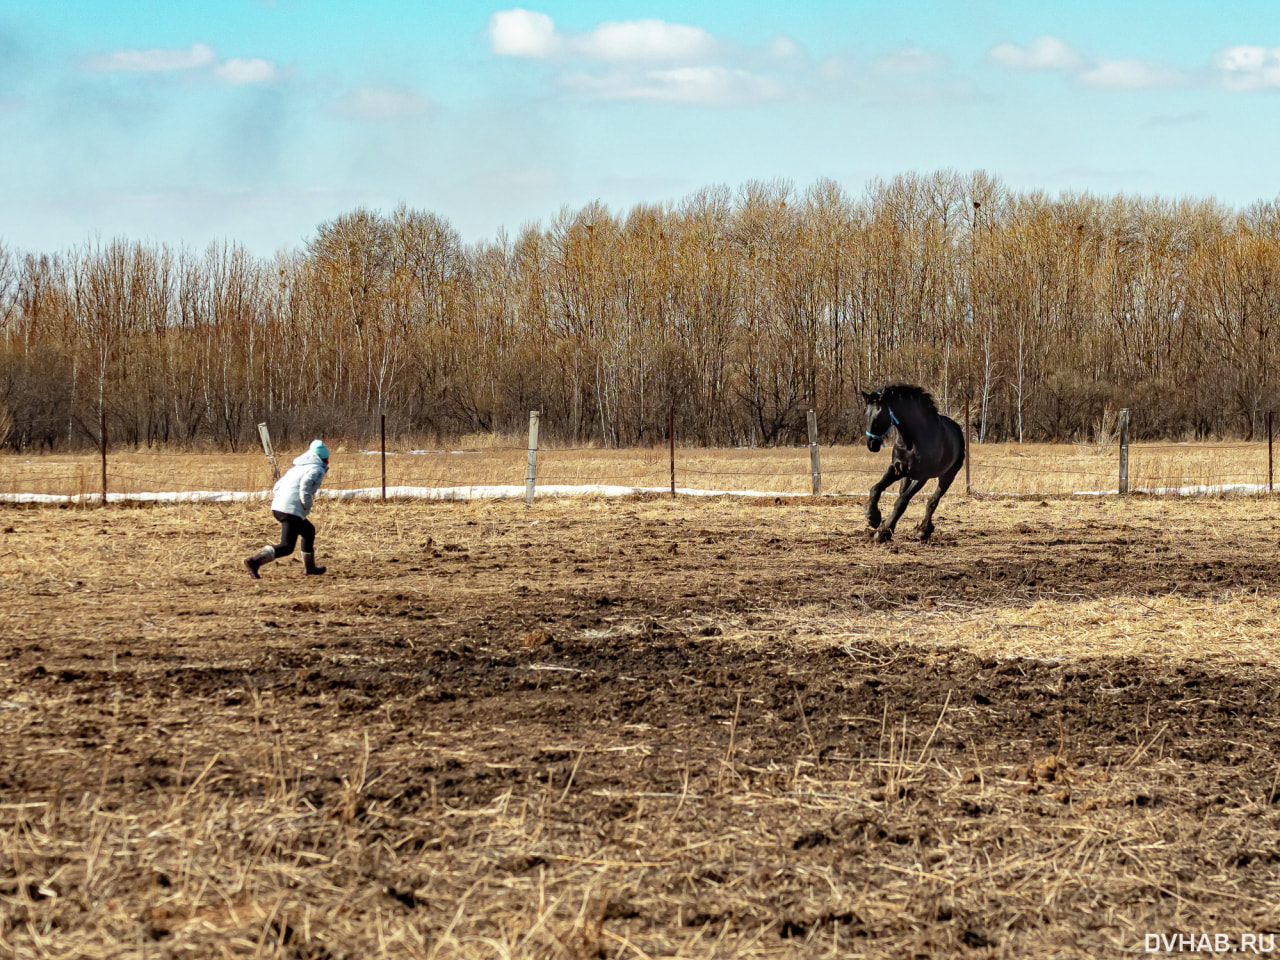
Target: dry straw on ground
{"points": [[639, 728]]}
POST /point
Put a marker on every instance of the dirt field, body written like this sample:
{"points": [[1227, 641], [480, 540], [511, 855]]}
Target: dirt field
{"points": [[641, 728]]}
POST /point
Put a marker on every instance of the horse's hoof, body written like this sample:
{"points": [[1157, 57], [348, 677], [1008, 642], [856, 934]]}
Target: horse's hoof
{"points": [[873, 518], [924, 533], [883, 535]]}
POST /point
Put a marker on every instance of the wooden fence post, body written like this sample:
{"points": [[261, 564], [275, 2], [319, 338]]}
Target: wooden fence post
{"points": [[1124, 452], [815, 456], [1270, 459], [671, 434], [383, 431], [531, 472], [102, 427], [269, 450], [967, 487]]}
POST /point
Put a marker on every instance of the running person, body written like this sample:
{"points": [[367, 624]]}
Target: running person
{"points": [[294, 494]]}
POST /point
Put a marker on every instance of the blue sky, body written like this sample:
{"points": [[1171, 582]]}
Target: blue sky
{"points": [[255, 121]]}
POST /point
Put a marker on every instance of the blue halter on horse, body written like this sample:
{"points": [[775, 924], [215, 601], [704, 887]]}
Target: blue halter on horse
{"points": [[928, 445], [893, 422]]}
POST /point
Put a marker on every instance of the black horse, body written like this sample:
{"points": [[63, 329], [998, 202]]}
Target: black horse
{"points": [[928, 445]]}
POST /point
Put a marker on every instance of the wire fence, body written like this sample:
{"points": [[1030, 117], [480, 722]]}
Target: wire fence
{"points": [[505, 469]]}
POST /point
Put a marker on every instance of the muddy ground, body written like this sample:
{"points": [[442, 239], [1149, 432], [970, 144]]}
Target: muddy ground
{"points": [[638, 728]]}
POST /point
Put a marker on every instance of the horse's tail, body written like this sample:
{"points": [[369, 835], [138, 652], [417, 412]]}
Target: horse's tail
{"points": [[963, 440]]}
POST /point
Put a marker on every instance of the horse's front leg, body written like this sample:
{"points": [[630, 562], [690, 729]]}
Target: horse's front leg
{"points": [[873, 502], [899, 506]]}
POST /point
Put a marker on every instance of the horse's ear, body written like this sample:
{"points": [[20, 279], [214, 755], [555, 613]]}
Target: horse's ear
{"points": [[870, 398]]}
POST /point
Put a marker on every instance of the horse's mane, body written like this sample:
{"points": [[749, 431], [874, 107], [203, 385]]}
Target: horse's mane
{"points": [[909, 391]]}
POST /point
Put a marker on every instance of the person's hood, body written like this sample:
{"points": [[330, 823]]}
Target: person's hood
{"points": [[310, 459]]}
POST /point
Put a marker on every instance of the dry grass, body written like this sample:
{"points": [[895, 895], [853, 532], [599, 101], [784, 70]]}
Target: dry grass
{"points": [[1241, 627], [450, 748], [995, 469]]}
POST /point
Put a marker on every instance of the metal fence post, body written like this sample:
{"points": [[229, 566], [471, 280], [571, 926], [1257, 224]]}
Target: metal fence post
{"points": [[1270, 459], [383, 433], [1124, 452], [967, 488], [815, 456], [531, 472], [671, 434]]}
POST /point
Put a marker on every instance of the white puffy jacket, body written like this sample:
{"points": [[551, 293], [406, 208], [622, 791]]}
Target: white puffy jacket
{"points": [[296, 490]]}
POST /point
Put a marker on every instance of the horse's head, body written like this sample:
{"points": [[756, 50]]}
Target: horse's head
{"points": [[879, 418]]}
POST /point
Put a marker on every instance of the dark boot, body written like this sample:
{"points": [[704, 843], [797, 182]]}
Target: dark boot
{"points": [[265, 555], [309, 568]]}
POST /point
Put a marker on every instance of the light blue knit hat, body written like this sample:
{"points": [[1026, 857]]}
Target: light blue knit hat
{"points": [[320, 449]]}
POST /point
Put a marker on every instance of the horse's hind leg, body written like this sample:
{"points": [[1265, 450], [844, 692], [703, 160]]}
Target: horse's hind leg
{"points": [[925, 528]]}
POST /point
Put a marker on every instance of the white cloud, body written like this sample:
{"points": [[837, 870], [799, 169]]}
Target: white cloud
{"points": [[1243, 59], [1131, 75], [197, 57], [1046, 53], [782, 48], [1050, 53], [643, 59], [369, 103], [522, 33], [710, 85], [655, 60], [644, 40], [526, 33], [154, 61], [911, 60], [1248, 67], [238, 71]]}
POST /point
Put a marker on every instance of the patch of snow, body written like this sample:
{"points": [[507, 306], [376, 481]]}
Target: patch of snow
{"points": [[490, 492], [511, 491], [1203, 490], [417, 453]]}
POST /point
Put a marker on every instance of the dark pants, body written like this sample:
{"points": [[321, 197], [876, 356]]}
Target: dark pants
{"points": [[291, 528]]}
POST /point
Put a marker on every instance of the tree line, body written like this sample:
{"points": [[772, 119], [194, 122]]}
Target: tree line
{"points": [[735, 312]]}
